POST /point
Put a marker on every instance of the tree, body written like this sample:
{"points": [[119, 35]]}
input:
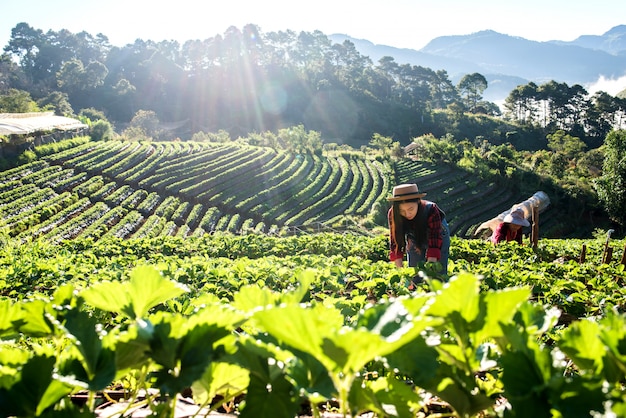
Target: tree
{"points": [[93, 115], [562, 143], [144, 125], [17, 101], [382, 143], [602, 114], [443, 91], [58, 102], [24, 45], [471, 88], [521, 103], [11, 75], [611, 186], [101, 130]]}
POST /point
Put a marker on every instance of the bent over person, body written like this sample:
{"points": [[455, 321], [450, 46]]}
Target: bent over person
{"points": [[510, 229], [417, 228]]}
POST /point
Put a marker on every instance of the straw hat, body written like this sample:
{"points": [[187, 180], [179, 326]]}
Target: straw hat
{"points": [[516, 217], [405, 192]]}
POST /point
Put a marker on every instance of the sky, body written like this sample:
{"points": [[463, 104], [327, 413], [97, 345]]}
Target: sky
{"points": [[398, 23]]}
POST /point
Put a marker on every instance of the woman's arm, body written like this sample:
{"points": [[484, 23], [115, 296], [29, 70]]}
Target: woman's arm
{"points": [[435, 241]]}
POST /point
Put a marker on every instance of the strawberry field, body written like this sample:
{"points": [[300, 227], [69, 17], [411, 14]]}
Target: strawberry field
{"points": [[310, 325], [85, 189], [164, 279]]}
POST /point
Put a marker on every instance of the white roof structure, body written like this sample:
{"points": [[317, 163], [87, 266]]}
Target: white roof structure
{"points": [[26, 123]]}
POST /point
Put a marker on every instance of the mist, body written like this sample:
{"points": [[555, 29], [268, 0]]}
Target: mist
{"points": [[611, 86]]}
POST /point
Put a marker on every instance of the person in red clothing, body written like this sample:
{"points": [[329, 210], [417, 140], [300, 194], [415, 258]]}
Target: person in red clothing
{"points": [[510, 229], [417, 228]]}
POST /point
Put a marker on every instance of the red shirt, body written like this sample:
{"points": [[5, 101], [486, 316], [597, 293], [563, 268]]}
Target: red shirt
{"points": [[503, 232]]}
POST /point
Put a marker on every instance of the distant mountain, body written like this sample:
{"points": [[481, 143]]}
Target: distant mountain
{"points": [[613, 41], [508, 61]]}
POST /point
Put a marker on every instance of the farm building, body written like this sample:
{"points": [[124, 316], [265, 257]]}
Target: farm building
{"points": [[19, 130]]}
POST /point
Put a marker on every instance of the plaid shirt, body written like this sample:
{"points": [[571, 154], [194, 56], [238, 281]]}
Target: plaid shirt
{"points": [[433, 232]]}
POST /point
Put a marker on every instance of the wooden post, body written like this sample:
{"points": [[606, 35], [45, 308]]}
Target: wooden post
{"points": [[583, 254], [535, 231], [608, 251], [623, 261]]}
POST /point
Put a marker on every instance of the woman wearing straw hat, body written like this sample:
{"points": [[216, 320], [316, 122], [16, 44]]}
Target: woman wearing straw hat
{"points": [[417, 228], [510, 229]]}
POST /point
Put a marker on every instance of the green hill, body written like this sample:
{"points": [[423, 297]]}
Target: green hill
{"points": [[148, 189]]}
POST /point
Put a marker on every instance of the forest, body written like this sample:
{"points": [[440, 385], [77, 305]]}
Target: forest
{"points": [[245, 80], [248, 85]]}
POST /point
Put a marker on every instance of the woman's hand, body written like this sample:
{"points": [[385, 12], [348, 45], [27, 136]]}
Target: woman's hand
{"points": [[432, 259]]}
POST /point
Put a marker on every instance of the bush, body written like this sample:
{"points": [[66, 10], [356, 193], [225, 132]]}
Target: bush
{"points": [[26, 157], [101, 130]]}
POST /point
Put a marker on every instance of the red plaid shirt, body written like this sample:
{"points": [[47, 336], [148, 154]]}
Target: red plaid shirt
{"points": [[433, 232]]}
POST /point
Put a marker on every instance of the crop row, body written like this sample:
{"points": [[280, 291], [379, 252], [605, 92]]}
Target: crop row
{"points": [[231, 187], [184, 188]]}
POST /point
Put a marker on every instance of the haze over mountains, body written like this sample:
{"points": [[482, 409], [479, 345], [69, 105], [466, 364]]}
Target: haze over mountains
{"points": [[508, 61]]}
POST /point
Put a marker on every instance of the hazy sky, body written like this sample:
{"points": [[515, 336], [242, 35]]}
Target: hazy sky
{"points": [[399, 23]]}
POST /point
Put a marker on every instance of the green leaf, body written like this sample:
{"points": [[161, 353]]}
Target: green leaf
{"points": [[220, 379], [130, 351], [182, 350], [111, 297], [524, 388], [305, 279], [146, 289], [388, 396], [577, 397], [613, 334], [269, 395], [424, 365], [309, 377], [528, 374], [581, 342], [35, 390], [319, 331], [250, 298], [98, 362], [501, 307], [10, 316], [34, 322], [53, 393], [460, 294]]}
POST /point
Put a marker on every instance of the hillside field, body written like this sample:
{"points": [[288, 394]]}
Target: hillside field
{"points": [[137, 189], [168, 278]]}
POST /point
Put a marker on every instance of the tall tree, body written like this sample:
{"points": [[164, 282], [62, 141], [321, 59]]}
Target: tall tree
{"points": [[521, 103], [471, 88], [602, 115], [443, 92], [24, 45], [611, 186]]}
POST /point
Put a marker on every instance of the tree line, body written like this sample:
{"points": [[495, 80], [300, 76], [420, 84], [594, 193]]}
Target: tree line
{"points": [[247, 81]]}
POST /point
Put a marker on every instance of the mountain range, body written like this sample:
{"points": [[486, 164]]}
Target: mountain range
{"points": [[508, 61]]}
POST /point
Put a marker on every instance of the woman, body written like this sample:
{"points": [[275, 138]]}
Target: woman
{"points": [[510, 229], [417, 228]]}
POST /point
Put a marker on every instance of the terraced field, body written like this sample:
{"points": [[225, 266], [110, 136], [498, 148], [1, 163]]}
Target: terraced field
{"points": [[134, 189]]}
